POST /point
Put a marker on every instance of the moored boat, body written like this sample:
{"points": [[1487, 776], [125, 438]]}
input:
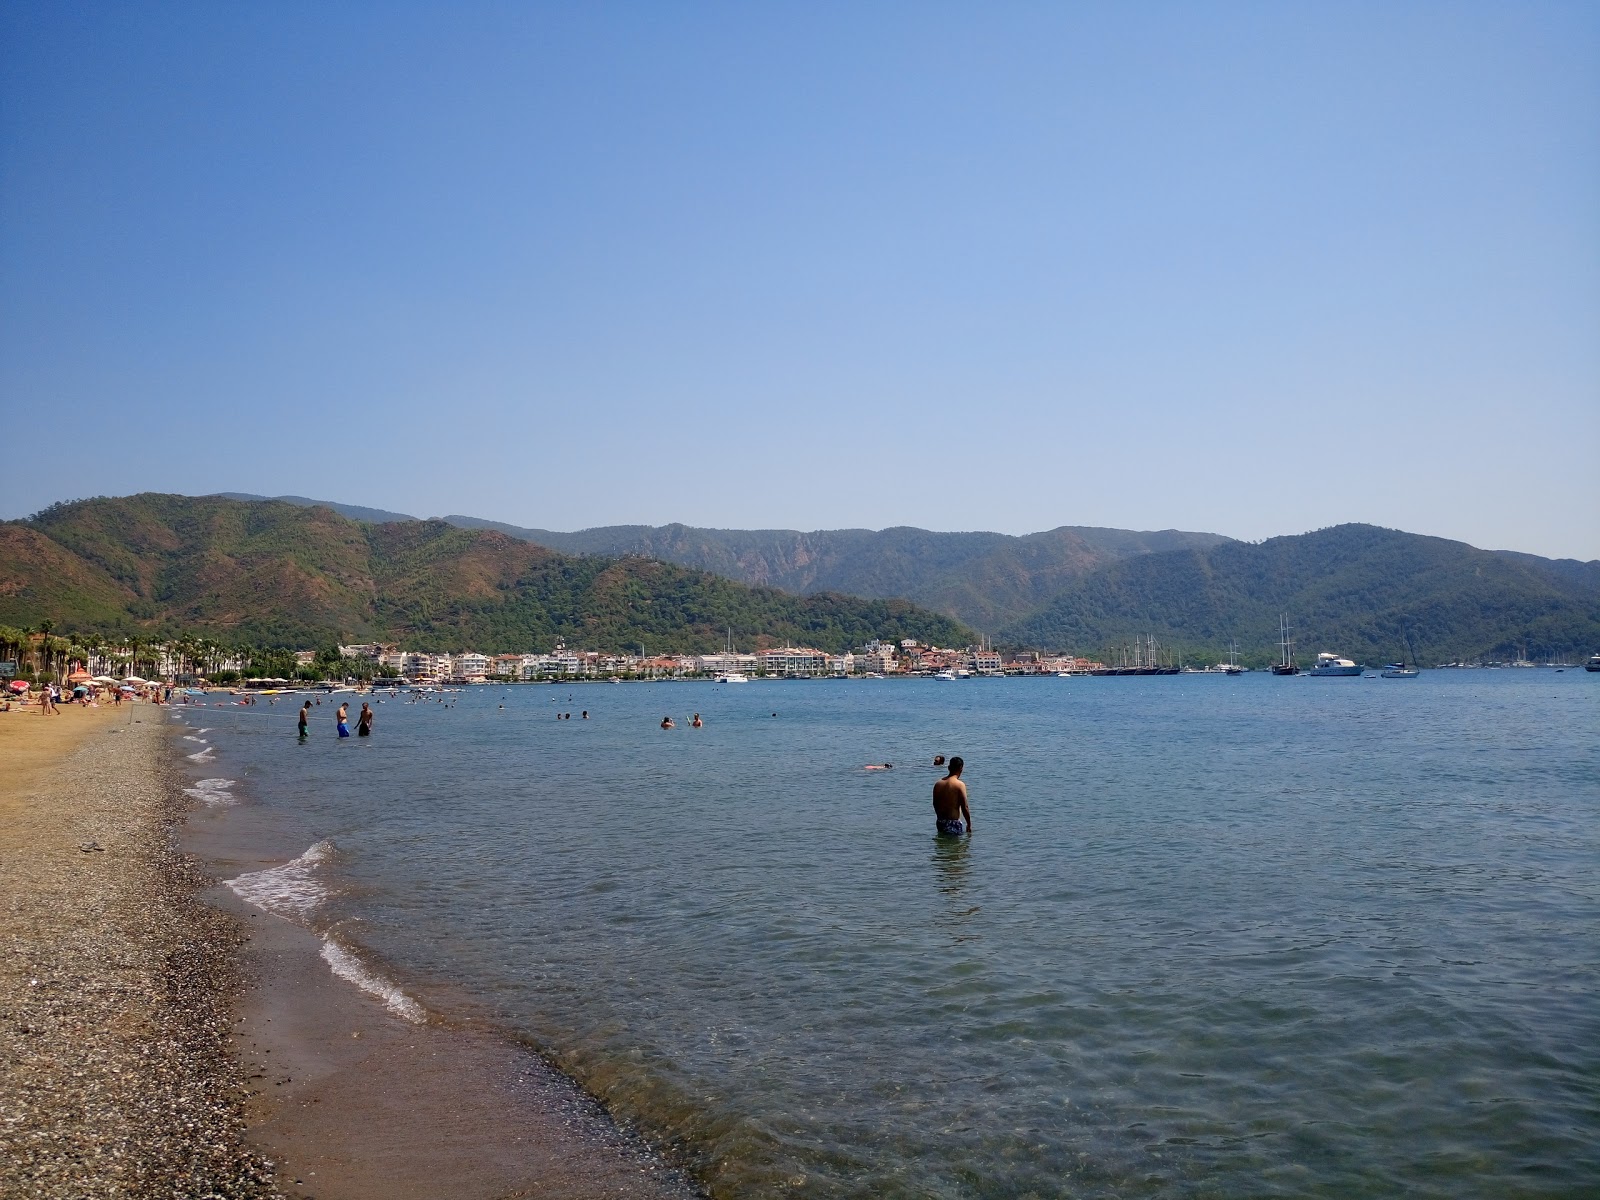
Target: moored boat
{"points": [[1333, 665], [1398, 671]]}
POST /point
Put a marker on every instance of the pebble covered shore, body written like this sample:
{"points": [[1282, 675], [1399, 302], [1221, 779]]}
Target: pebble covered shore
{"points": [[116, 1074]]}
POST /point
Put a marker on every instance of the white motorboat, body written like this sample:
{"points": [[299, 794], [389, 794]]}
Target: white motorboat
{"points": [[1593, 664], [1332, 664], [950, 675]]}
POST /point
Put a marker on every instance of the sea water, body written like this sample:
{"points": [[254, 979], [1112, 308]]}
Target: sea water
{"points": [[1212, 936]]}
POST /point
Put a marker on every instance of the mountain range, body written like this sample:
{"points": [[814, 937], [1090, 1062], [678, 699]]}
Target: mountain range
{"points": [[1356, 589], [266, 572], [292, 569]]}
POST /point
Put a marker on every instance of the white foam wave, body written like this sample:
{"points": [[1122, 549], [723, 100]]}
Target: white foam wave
{"points": [[207, 729], [201, 756], [347, 966], [212, 792], [293, 890], [189, 737]]}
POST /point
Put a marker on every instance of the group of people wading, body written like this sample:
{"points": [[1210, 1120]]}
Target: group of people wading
{"points": [[341, 720]]}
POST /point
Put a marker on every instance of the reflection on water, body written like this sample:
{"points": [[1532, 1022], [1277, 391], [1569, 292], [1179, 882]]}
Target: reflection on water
{"points": [[1225, 936]]}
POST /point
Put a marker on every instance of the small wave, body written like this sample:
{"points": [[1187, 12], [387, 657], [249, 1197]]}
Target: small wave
{"points": [[189, 737], [348, 967], [200, 756], [207, 729], [293, 890], [212, 792]]}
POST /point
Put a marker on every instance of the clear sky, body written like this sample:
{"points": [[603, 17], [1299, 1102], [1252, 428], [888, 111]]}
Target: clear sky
{"points": [[1246, 268]]}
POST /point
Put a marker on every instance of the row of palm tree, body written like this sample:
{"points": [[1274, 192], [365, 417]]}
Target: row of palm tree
{"points": [[37, 651]]}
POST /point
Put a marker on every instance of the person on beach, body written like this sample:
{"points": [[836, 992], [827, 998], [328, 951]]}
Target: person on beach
{"points": [[364, 722], [305, 720], [668, 723], [343, 718], [950, 802]]}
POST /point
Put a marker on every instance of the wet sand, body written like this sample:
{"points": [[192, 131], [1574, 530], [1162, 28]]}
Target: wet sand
{"points": [[161, 1038], [352, 1101]]}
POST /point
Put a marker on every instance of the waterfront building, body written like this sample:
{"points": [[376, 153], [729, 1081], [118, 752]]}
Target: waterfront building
{"points": [[794, 662]]}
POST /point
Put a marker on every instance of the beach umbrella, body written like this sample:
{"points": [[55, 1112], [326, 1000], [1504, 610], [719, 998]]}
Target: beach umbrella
{"points": [[79, 690], [134, 679], [19, 685], [104, 679], [79, 676]]}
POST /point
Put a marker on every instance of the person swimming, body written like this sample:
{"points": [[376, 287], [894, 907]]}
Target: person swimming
{"points": [[879, 767], [697, 722], [668, 723]]}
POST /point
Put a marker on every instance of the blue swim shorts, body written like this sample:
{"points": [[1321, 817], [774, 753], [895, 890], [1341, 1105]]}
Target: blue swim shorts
{"points": [[952, 827]]}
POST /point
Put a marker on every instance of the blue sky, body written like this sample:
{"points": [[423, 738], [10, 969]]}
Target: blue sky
{"points": [[1250, 268]]}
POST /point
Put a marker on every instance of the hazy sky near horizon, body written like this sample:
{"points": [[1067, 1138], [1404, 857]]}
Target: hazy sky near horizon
{"points": [[1246, 268]]}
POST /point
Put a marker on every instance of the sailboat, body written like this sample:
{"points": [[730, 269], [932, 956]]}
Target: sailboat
{"points": [[1232, 667], [731, 675], [1285, 664], [1399, 670]]}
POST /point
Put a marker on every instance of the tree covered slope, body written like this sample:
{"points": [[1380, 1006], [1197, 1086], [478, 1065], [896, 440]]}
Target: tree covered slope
{"points": [[1357, 590], [280, 573]]}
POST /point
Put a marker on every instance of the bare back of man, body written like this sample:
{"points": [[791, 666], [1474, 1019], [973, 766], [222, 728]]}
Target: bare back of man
{"points": [[950, 807]]}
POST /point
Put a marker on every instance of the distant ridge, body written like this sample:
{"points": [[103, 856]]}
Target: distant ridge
{"points": [[277, 573], [374, 516], [1357, 588]]}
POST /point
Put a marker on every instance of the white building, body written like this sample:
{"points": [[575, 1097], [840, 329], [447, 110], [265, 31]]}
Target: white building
{"points": [[844, 664], [794, 662], [470, 666]]}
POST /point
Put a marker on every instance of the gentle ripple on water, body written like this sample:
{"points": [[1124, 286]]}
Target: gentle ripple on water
{"points": [[1212, 937]]}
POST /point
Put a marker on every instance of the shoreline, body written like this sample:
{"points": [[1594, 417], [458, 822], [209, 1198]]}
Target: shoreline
{"points": [[116, 982], [162, 1037], [355, 1095]]}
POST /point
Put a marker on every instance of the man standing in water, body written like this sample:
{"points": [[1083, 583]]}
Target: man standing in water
{"points": [[950, 802], [305, 718], [343, 718]]}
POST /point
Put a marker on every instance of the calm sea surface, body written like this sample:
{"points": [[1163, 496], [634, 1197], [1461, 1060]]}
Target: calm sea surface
{"points": [[1213, 937]]}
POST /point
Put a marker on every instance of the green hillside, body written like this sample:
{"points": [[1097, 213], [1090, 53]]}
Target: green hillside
{"points": [[284, 574], [983, 579], [1356, 590]]}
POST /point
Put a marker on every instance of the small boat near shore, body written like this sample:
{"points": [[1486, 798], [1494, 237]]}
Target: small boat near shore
{"points": [[1398, 671], [1593, 664]]}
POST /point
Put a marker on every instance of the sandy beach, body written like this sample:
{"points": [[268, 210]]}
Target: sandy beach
{"points": [[114, 981], [163, 1038]]}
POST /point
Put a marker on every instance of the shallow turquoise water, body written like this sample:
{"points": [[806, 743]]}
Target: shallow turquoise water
{"points": [[1213, 937]]}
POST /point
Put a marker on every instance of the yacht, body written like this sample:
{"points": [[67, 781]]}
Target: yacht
{"points": [[1285, 664], [1332, 664], [950, 675], [1232, 667], [1593, 664], [1398, 671], [732, 675]]}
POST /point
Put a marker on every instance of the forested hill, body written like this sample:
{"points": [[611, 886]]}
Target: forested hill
{"points": [[286, 574], [1356, 590], [983, 579]]}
